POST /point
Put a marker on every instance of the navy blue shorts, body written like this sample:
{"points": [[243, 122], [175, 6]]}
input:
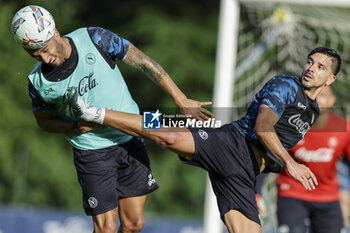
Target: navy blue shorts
{"points": [[294, 214], [108, 174], [232, 168]]}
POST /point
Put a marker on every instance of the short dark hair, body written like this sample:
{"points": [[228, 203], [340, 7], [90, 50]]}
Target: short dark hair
{"points": [[334, 56]]}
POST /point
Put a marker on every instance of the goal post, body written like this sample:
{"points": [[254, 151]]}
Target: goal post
{"points": [[258, 39], [223, 90]]}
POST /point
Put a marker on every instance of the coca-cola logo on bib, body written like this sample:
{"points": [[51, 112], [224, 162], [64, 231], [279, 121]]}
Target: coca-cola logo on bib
{"points": [[301, 126]]}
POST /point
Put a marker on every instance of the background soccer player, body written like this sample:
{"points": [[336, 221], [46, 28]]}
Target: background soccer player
{"points": [[320, 150]]}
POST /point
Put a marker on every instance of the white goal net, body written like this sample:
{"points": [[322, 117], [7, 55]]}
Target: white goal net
{"points": [[276, 38]]}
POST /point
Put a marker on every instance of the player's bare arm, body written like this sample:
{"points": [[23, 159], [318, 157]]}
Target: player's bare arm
{"points": [[264, 129], [49, 123], [155, 72]]}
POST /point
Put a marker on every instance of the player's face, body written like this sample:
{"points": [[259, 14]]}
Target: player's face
{"points": [[317, 71], [54, 53]]}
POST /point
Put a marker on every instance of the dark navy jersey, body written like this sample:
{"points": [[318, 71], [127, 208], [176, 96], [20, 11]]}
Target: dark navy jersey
{"points": [[110, 45], [285, 95]]}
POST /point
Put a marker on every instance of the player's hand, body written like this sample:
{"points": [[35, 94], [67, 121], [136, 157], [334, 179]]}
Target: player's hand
{"points": [[193, 109], [303, 174]]}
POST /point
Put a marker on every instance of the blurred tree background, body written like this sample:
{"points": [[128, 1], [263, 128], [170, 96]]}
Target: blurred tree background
{"points": [[36, 168]]}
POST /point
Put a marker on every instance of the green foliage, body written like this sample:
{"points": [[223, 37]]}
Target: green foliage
{"points": [[36, 168], [181, 46]]}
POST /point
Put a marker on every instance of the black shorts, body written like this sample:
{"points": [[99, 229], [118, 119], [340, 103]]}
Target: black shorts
{"points": [[108, 174], [232, 167], [293, 214]]}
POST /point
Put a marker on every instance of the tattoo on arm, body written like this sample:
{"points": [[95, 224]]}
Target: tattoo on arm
{"points": [[138, 59]]}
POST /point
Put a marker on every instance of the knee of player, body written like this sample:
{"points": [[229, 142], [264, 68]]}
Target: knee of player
{"points": [[134, 225]]}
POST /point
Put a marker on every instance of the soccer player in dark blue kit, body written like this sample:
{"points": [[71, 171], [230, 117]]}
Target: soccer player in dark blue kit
{"points": [[112, 167], [279, 116]]}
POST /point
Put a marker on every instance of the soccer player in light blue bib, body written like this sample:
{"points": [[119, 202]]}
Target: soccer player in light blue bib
{"points": [[113, 167]]}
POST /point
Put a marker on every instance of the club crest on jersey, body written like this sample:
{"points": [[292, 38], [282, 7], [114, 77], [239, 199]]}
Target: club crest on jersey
{"points": [[92, 202], [204, 135], [333, 142], [90, 58]]}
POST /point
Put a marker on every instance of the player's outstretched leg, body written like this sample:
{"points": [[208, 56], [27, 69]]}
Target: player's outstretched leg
{"points": [[179, 140]]}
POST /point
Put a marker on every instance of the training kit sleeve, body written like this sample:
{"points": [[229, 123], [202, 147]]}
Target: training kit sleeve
{"points": [[278, 93], [114, 46]]}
